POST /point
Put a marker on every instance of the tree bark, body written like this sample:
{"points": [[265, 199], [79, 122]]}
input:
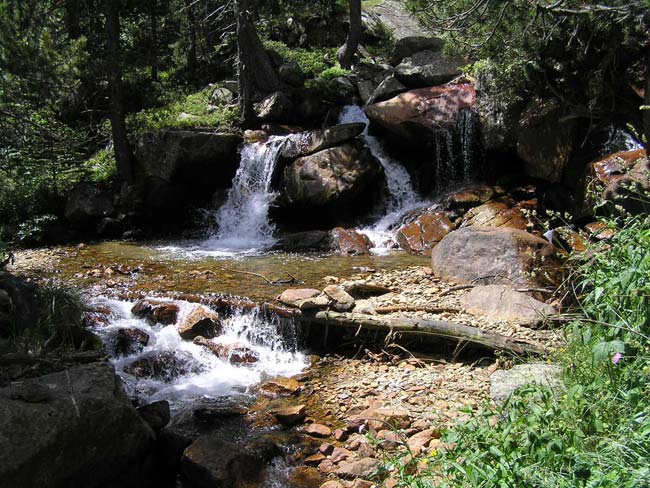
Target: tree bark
{"points": [[191, 54], [153, 20], [256, 73], [71, 18], [646, 103], [121, 146], [349, 49], [431, 328]]}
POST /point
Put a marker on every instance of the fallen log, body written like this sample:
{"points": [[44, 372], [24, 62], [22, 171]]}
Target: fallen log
{"points": [[415, 308], [432, 328]]}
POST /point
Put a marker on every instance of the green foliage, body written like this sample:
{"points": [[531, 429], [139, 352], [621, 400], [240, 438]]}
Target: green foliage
{"points": [[333, 72], [187, 111], [101, 168], [312, 61], [596, 431], [31, 230]]}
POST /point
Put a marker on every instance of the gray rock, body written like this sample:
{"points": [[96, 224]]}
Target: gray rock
{"points": [[503, 302], [493, 255], [291, 73], [222, 96], [315, 240], [84, 432], [276, 107], [427, 68], [386, 89], [394, 17], [331, 177], [342, 301], [409, 45], [87, 202], [504, 382], [309, 142]]}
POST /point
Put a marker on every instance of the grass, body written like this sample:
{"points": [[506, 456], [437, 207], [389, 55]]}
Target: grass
{"points": [[311, 61], [596, 431]]}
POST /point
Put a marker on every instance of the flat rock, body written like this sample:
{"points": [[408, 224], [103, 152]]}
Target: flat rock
{"points": [[290, 415], [350, 242], [318, 430], [504, 382], [428, 68], [294, 297], [342, 301], [310, 142], [363, 468], [199, 322], [504, 302], [281, 386]]}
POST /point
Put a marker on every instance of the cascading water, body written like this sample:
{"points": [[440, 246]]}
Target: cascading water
{"points": [[243, 219], [205, 374], [402, 197]]}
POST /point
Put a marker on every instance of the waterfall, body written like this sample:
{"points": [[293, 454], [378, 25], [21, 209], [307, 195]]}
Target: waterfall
{"points": [[243, 220], [402, 197]]}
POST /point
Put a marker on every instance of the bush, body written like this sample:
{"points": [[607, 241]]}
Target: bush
{"points": [[311, 61]]}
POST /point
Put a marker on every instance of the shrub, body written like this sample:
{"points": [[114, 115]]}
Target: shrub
{"points": [[311, 61]]}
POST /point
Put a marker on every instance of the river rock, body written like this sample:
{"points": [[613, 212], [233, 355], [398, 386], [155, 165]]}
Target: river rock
{"points": [[281, 386], [310, 142], [87, 202], [420, 440], [495, 214], [222, 96], [424, 233], [305, 477], [546, 140], [493, 255], [234, 353], [84, 433], [618, 178], [294, 297], [129, 340], [199, 322], [504, 382], [291, 73], [503, 302], [162, 365], [313, 240], [362, 468], [290, 415], [276, 107], [568, 239], [349, 242], [331, 177], [341, 300], [415, 115], [428, 68], [410, 45], [318, 430], [156, 414], [20, 307], [156, 311], [599, 231], [211, 462], [467, 198]]}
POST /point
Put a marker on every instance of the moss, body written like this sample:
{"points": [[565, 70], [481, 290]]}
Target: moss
{"points": [[311, 61]]}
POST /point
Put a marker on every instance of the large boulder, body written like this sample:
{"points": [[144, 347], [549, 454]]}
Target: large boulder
{"points": [[162, 365], [306, 143], [19, 306], [546, 140], [87, 202], [619, 178], [350, 242], [410, 45], [388, 88], [494, 255], [71, 428], [199, 322], [276, 107], [421, 235], [495, 214], [332, 177], [428, 68], [414, 115], [156, 311], [504, 302], [178, 168]]}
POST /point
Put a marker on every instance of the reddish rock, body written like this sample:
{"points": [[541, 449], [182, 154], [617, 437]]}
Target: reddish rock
{"points": [[326, 448], [495, 214], [199, 322], [417, 113], [600, 231], [326, 467], [390, 439], [420, 440], [294, 297], [290, 415], [349, 242], [339, 454], [568, 239], [318, 430], [469, 197], [363, 468], [281, 386], [341, 435], [130, 340], [305, 477], [423, 234], [162, 365], [618, 178], [156, 311], [315, 458]]}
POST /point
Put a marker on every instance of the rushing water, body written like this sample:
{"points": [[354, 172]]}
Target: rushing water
{"points": [[210, 376], [243, 220], [402, 198]]}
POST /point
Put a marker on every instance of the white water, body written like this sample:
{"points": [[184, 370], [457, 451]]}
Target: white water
{"points": [[402, 197], [217, 377], [243, 220]]}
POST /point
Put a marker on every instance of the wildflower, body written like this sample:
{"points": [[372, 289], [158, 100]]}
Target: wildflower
{"points": [[617, 357]]}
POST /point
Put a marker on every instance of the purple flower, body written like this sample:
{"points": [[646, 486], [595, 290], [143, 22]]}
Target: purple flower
{"points": [[617, 357]]}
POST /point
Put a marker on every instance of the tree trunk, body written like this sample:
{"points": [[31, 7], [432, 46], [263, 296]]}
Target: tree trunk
{"points": [[349, 49], [256, 73], [71, 19], [121, 146], [154, 42], [191, 54], [646, 103], [427, 328]]}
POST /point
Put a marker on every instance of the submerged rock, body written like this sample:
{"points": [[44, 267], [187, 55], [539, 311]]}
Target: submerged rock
{"points": [[234, 353], [306, 143], [129, 340], [493, 255], [85, 432], [162, 365]]}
